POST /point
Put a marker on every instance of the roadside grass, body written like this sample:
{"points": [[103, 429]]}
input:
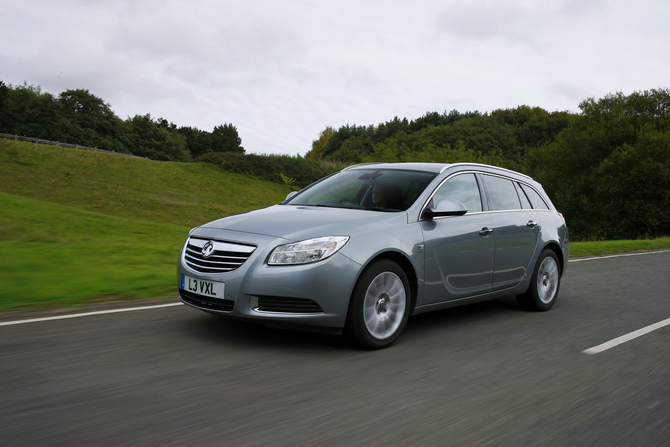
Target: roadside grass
{"points": [[54, 255], [598, 248], [167, 192]]}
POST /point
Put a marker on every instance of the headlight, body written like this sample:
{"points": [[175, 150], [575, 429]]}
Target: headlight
{"points": [[304, 252]]}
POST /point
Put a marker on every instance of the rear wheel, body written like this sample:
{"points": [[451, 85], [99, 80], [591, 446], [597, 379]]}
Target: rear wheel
{"points": [[379, 306], [544, 283]]}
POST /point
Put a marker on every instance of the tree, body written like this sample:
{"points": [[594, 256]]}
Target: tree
{"points": [[353, 149], [317, 145], [28, 111], [198, 141], [428, 145], [226, 139], [368, 136], [344, 133], [148, 139], [390, 128], [433, 119], [533, 126], [167, 125], [87, 120], [481, 138], [4, 91]]}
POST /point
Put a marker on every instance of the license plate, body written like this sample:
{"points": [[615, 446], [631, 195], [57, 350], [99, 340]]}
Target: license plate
{"points": [[202, 287]]}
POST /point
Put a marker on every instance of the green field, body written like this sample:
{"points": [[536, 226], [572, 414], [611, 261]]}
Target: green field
{"points": [[80, 227], [55, 255]]}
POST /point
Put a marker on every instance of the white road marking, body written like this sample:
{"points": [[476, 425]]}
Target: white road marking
{"points": [[85, 314], [628, 337], [640, 332], [618, 256]]}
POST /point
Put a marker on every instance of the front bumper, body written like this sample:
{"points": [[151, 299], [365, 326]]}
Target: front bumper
{"points": [[314, 294]]}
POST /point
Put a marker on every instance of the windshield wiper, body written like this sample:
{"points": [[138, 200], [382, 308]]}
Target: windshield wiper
{"points": [[377, 208]]}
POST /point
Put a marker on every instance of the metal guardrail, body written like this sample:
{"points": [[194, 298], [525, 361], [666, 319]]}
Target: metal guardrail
{"points": [[58, 143]]}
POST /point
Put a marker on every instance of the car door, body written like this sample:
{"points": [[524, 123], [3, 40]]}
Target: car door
{"points": [[516, 230], [459, 250]]}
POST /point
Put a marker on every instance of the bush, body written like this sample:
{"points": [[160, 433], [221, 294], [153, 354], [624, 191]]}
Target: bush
{"points": [[273, 168]]}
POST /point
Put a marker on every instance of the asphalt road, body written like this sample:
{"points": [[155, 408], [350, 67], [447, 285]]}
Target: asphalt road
{"points": [[485, 374]]}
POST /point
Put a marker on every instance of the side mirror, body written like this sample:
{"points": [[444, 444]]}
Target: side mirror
{"points": [[445, 207], [291, 194]]}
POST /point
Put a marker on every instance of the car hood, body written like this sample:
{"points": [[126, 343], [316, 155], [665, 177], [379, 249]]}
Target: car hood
{"points": [[302, 222]]}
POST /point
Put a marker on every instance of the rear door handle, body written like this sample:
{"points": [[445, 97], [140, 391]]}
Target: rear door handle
{"points": [[532, 223], [486, 231]]}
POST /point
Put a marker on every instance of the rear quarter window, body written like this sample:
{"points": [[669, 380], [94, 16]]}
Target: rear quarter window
{"points": [[525, 203], [535, 199]]}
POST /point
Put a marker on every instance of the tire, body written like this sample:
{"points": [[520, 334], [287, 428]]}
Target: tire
{"points": [[544, 283], [380, 306]]}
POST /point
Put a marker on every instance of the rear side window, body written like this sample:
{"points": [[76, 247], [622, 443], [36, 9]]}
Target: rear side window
{"points": [[535, 198], [502, 192]]}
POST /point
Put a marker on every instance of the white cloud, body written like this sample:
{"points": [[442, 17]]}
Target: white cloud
{"points": [[283, 71], [532, 24]]}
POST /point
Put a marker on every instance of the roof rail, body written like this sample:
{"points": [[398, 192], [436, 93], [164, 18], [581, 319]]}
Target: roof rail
{"points": [[364, 164], [489, 166]]}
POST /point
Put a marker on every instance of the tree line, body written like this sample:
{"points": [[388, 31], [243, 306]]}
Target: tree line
{"points": [[606, 168], [501, 137], [79, 117]]}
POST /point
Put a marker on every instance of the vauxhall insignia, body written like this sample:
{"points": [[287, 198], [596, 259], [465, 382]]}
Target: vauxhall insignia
{"points": [[207, 249]]}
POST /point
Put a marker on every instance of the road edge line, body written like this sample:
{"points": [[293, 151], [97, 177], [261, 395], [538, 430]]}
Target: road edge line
{"points": [[621, 255], [85, 314]]}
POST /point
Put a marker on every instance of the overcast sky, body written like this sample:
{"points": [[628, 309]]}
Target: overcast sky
{"points": [[281, 71]]}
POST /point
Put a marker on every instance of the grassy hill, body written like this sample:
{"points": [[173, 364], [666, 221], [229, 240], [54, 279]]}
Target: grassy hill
{"points": [[79, 226], [167, 192]]}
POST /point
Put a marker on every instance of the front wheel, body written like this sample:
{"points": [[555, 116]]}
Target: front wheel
{"points": [[544, 283], [379, 306]]}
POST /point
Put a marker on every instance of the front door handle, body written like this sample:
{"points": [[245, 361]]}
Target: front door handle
{"points": [[532, 223], [486, 231]]}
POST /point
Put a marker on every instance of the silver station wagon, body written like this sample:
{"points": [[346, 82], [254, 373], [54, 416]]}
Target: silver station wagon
{"points": [[361, 250]]}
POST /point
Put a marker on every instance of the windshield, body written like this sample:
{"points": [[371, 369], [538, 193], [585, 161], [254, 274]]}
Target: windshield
{"points": [[371, 189]]}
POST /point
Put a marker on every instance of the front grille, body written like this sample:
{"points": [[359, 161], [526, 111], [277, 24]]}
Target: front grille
{"points": [[227, 256], [288, 305], [206, 302]]}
